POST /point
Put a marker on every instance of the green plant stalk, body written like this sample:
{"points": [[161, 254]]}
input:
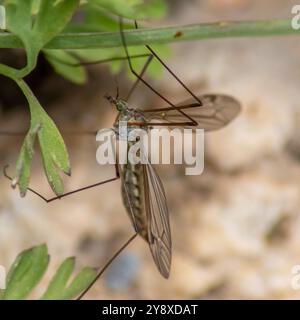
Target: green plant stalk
{"points": [[162, 35]]}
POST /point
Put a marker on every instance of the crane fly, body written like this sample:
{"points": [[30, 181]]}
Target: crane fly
{"points": [[142, 189]]}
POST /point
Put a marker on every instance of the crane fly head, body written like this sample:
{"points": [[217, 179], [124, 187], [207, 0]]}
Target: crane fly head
{"points": [[120, 104]]}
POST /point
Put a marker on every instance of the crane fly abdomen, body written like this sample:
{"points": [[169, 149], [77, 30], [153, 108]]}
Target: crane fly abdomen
{"points": [[133, 197]]}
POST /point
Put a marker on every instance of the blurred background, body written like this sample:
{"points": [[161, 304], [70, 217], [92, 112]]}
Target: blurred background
{"points": [[235, 228]]}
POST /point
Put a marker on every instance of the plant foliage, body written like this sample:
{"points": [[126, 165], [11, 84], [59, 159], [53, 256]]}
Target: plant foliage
{"points": [[29, 268]]}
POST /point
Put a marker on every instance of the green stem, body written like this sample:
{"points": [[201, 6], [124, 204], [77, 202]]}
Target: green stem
{"points": [[9, 71], [162, 35]]}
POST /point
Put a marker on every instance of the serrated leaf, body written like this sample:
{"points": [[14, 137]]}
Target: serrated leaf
{"points": [[53, 149], [26, 272], [62, 61], [58, 288]]}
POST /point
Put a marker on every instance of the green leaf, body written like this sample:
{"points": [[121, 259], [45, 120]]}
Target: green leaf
{"points": [[97, 19], [62, 61], [36, 31], [19, 23], [29, 268], [53, 149], [58, 288], [24, 161], [83, 279], [26, 272], [154, 9], [133, 9], [60, 279], [52, 18]]}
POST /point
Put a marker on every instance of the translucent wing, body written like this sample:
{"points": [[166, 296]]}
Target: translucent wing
{"points": [[159, 233], [215, 112]]}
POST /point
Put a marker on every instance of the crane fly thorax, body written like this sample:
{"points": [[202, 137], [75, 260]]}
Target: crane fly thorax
{"points": [[128, 120]]}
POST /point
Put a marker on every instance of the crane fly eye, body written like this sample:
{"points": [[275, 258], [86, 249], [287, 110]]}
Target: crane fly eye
{"points": [[119, 106]]}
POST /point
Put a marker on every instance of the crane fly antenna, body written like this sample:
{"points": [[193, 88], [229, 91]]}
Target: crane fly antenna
{"points": [[109, 262], [117, 88]]}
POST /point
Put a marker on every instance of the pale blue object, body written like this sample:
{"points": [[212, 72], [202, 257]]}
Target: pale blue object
{"points": [[122, 272]]}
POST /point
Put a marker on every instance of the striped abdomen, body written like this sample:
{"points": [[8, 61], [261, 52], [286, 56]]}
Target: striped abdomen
{"points": [[133, 180]]}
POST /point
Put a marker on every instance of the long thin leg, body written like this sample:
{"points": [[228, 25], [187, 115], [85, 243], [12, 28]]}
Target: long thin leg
{"points": [[150, 58], [109, 262], [123, 247], [174, 75], [165, 124], [170, 71], [87, 63], [70, 192], [192, 121], [183, 106]]}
